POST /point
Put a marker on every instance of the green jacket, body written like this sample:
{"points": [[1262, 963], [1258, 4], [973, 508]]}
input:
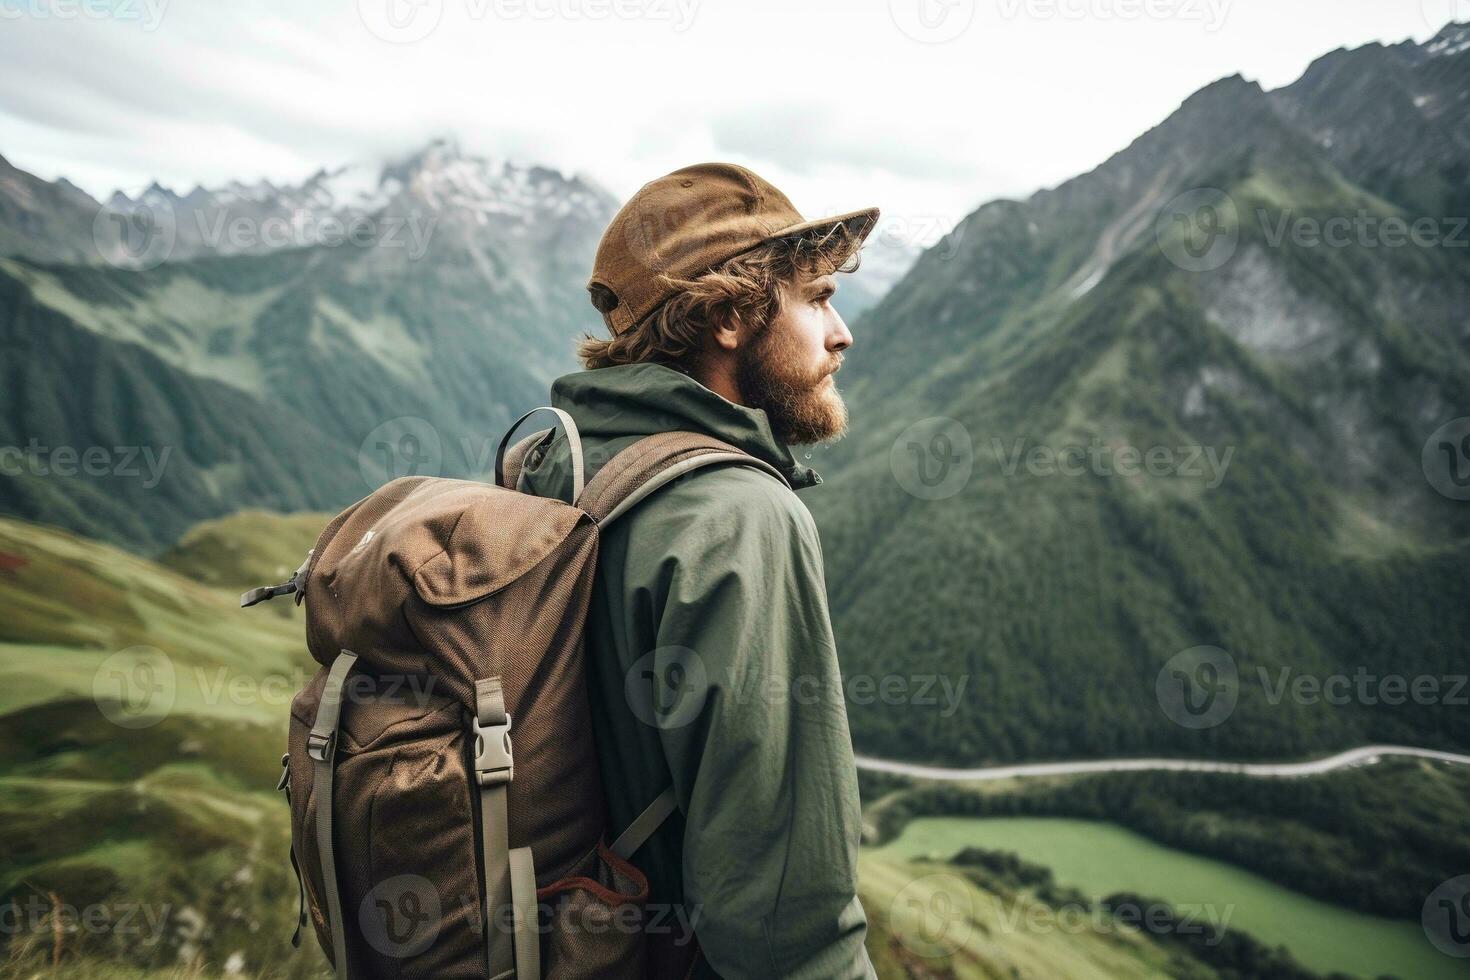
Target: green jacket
{"points": [[712, 668]]}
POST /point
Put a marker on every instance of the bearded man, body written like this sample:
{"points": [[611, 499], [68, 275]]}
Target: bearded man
{"points": [[712, 664]]}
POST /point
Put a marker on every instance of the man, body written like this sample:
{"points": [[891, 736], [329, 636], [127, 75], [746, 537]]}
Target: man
{"points": [[712, 663]]}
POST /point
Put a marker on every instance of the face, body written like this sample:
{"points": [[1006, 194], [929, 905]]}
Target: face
{"points": [[787, 368]]}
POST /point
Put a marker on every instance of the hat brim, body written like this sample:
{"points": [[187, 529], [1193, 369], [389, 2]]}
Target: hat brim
{"points": [[860, 223]]}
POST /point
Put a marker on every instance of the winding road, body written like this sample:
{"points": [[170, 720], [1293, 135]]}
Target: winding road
{"points": [[1362, 756]]}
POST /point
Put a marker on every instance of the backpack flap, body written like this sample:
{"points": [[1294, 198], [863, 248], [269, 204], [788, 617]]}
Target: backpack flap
{"points": [[488, 547]]}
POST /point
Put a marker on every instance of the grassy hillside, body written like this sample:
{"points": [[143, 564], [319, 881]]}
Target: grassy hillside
{"points": [[245, 549], [142, 718], [986, 914]]}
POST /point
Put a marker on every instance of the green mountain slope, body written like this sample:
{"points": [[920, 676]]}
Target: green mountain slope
{"points": [[295, 378], [246, 549], [287, 381], [46, 221], [141, 721], [1287, 392]]}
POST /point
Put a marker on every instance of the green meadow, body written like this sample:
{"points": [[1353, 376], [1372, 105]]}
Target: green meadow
{"points": [[1101, 859]]}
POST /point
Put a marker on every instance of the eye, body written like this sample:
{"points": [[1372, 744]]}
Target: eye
{"points": [[822, 297]]}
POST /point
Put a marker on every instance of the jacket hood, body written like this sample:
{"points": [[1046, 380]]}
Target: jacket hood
{"points": [[644, 399]]}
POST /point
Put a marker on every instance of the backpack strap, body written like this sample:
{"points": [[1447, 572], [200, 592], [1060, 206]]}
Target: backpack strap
{"points": [[509, 874], [321, 745], [636, 834], [283, 785], [654, 461], [628, 479], [574, 442]]}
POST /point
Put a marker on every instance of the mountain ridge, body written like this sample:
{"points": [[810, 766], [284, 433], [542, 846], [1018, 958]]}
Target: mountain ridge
{"points": [[343, 362], [1165, 302]]}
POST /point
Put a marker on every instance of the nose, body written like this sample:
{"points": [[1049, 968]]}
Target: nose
{"points": [[838, 337]]}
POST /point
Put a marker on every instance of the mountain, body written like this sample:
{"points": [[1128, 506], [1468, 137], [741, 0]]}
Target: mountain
{"points": [[401, 329], [1364, 107], [398, 204], [1230, 310], [44, 220], [885, 259]]}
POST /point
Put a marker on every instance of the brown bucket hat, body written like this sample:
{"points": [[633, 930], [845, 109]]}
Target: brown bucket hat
{"points": [[686, 223]]}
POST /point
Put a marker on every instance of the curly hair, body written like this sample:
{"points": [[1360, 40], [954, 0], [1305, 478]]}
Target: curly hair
{"points": [[746, 287]]}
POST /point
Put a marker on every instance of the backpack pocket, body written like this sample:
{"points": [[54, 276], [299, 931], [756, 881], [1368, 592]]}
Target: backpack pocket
{"points": [[404, 832], [593, 921], [405, 825]]}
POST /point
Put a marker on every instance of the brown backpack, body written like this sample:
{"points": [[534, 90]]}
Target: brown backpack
{"points": [[447, 616]]}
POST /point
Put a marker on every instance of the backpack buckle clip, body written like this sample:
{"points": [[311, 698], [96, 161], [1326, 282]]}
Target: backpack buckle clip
{"points": [[494, 761], [296, 583], [319, 746]]}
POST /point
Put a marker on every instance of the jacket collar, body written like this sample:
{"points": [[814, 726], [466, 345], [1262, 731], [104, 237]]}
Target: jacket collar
{"points": [[645, 399]]}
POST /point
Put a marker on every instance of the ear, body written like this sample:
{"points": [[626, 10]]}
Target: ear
{"points": [[727, 329]]}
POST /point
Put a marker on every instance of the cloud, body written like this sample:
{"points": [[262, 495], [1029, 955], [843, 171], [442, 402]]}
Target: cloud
{"points": [[808, 137], [829, 99]]}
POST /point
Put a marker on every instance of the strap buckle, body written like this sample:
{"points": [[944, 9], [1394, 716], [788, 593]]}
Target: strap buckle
{"points": [[319, 745], [494, 762], [296, 583]]}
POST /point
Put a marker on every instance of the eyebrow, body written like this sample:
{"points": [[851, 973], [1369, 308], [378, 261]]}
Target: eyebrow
{"points": [[822, 284]]}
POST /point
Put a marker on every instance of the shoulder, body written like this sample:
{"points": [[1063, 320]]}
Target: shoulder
{"points": [[736, 508], [737, 497]]}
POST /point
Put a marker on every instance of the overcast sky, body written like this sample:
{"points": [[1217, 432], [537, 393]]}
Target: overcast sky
{"points": [[927, 108]]}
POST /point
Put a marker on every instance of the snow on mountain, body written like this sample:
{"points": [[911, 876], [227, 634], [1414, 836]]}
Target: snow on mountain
{"points": [[1452, 39], [439, 184]]}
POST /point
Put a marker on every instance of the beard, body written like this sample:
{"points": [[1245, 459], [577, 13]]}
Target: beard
{"points": [[802, 403]]}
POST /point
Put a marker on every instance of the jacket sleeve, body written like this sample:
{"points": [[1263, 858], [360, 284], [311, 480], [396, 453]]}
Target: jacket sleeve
{"points": [[755, 731]]}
